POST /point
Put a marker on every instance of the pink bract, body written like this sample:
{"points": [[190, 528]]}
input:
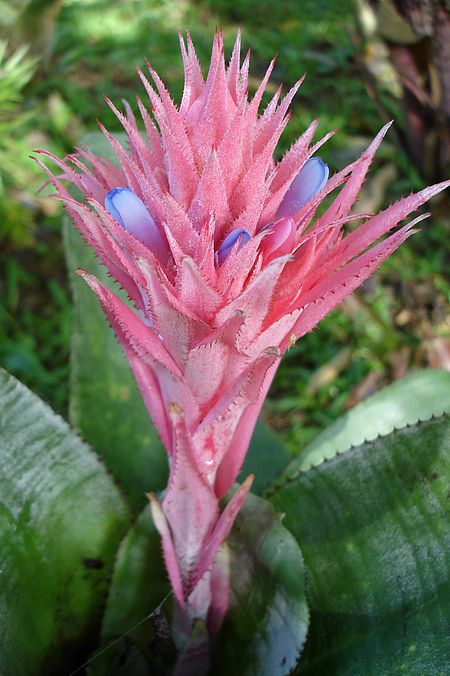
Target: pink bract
{"points": [[213, 316]]}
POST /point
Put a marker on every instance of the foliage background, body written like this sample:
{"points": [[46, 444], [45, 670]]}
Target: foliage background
{"points": [[79, 50]]}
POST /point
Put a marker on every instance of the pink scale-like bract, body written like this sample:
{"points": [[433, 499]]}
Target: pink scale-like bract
{"points": [[221, 285]]}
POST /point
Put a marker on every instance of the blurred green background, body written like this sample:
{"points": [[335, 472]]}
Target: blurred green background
{"points": [[58, 59]]}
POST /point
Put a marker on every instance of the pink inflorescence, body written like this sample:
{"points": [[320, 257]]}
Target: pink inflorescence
{"points": [[226, 262]]}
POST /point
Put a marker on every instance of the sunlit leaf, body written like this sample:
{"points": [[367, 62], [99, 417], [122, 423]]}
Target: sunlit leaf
{"points": [[419, 396], [61, 521], [374, 529]]}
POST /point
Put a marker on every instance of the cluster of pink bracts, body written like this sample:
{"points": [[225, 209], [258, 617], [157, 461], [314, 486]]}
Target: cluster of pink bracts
{"points": [[221, 252]]}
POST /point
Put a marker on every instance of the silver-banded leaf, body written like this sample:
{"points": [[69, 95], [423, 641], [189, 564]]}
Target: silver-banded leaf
{"points": [[417, 397], [266, 626], [61, 522], [374, 528], [267, 622]]}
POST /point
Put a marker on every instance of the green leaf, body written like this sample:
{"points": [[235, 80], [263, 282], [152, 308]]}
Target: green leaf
{"points": [[419, 396], [266, 626], [105, 404], [134, 629], [61, 521], [266, 457], [374, 529]]}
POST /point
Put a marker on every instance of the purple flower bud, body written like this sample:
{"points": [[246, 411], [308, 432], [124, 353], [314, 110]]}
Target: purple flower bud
{"points": [[132, 214], [230, 240], [309, 181]]}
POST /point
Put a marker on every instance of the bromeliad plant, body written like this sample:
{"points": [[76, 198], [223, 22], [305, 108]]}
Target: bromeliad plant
{"points": [[227, 263]]}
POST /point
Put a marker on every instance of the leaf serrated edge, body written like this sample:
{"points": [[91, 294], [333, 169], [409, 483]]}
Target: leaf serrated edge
{"points": [[283, 481]]}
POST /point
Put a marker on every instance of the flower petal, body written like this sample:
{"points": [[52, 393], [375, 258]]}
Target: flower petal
{"points": [[240, 235], [132, 214], [309, 181]]}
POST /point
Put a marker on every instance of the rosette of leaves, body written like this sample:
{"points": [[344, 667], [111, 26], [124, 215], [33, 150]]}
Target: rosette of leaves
{"points": [[341, 568]]}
